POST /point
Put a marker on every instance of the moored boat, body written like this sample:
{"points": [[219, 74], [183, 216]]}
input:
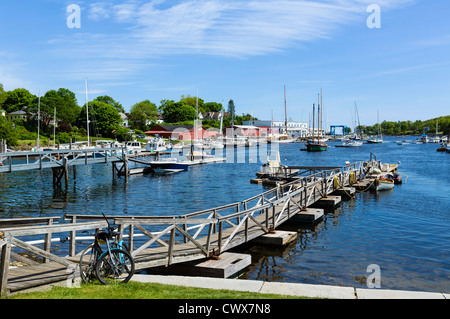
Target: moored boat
{"points": [[382, 183]]}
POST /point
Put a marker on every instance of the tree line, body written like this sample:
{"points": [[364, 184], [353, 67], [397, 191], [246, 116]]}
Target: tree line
{"points": [[409, 127], [104, 112]]}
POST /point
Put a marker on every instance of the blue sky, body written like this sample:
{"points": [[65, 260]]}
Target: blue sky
{"points": [[247, 51]]}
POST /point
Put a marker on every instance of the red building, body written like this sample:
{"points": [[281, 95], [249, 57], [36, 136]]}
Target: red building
{"points": [[244, 130], [182, 132]]}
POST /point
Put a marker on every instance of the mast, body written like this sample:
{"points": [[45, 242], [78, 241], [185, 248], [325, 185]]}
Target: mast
{"points": [[357, 116], [285, 112], [54, 128], [39, 119], [318, 118], [87, 111], [321, 112], [314, 132], [196, 120]]}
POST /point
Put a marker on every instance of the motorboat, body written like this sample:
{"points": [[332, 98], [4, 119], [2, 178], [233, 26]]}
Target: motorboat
{"points": [[272, 168], [352, 143], [168, 165], [156, 145], [424, 139], [382, 183]]}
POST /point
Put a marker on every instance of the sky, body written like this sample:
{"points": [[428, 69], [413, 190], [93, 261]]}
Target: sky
{"points": [[133, 50]]}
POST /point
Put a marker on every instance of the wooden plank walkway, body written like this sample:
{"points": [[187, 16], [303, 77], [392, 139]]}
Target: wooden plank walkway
{"points": [[174, 239]]}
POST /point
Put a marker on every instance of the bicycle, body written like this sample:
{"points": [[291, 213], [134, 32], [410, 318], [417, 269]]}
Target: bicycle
{"points": [[111, 266]]}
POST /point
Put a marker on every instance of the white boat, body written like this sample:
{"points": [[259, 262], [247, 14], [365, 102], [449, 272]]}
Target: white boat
{"points": [[168, 165], [379, 138], [352, 143], [424, 139], [381, 184], [134, 146], [402, 143], [272, 168], [156, 145], [282, 139]]}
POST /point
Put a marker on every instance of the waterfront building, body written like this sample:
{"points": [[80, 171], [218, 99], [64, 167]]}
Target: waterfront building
{"points": [[182, 132], [294, 129]]}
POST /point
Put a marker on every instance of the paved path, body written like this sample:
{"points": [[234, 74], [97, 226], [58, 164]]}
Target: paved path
{"points": [[289, 289]]}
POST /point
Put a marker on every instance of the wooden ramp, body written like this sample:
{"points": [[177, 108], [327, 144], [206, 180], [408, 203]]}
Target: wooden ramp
{"points": [[163, 241]]}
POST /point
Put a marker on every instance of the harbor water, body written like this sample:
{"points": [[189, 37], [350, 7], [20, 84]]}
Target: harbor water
{"points": [[404, 231]]}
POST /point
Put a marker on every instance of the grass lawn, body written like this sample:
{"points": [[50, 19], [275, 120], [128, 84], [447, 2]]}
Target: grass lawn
{"points": [[137, 290]]}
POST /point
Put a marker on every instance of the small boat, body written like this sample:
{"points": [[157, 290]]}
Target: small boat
{"points": [[272, 168], [316, 146], [282, 140], [168, 165], [424, 139], [402, 143], [382, 183], [157, 145], [375, 140], [395, 177], [352, 143]]}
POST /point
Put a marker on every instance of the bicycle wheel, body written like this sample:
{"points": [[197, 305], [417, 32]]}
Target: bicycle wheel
{"points": [[114, 267], [87, 264]]}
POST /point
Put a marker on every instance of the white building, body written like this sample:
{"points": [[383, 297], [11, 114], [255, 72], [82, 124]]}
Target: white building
{"points": [[295, 129]]}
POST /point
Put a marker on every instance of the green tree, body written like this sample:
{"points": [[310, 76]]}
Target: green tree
{"points": [[104, 119], [2, 95], [143, 112], [65, 103], [7, 132], [177, 112], [212, 107], [192, 101], [232, 110], [109, 100], [17, 100]]}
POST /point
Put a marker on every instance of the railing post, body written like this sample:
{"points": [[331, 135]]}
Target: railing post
{"points": [[219, 240], [48, 240], [73, 235], [4, 266]]}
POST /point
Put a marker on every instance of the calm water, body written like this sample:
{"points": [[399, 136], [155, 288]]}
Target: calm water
{"points": [[404, 231]]}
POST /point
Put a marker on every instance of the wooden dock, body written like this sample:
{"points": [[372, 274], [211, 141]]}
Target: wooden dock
{"points": [[169, 240]]}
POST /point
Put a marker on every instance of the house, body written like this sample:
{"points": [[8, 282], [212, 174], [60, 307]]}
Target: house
{"points": [[244, 130], [182, 132], [125, 119], [216, 116], [18, 115]]}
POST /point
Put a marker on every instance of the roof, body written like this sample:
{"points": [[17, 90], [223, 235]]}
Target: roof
{"points": [[246, 127], [18, 113], [161, 129]]}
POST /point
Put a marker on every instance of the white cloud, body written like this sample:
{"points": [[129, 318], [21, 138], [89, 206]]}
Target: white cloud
{"points": [[130, 32], [232, 28]]}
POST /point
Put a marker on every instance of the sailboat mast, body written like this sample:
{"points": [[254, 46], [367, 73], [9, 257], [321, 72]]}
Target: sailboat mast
{"points": [[196, 119], [285, 112], [314, 119], [87, 112], [39, 119], [318, 117], [54, 128], [321, 112]]}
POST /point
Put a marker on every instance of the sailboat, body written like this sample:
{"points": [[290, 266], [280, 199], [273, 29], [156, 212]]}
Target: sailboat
{"points": [[317, 143], [355, 140], [379, 138], [283, 138]]}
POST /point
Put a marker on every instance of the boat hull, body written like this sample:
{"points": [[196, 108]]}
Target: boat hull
{"points": [[381, 185], [316, 147], [162, 168]]}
